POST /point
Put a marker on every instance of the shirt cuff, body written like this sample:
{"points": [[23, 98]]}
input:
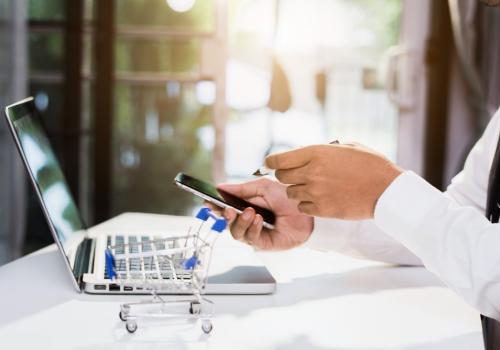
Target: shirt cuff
{"points": [[329, 235], [402, 208]]}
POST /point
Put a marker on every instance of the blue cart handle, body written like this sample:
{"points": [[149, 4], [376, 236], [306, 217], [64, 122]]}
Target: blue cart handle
{"points": [[220, 222], [110, 264]]}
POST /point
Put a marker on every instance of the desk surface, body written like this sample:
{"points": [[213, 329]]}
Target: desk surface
{"points": [[323, 301]]}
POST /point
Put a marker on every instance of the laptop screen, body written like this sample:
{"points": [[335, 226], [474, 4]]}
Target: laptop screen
{"points": [[47, 176]]}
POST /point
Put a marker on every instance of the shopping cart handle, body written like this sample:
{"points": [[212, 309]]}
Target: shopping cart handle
{"points": [[110, 264], [203, 214], [190, 263], [220, 223]]}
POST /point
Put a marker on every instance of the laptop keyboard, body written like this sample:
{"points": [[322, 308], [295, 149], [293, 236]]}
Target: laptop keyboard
{"points": [[143, 267]]}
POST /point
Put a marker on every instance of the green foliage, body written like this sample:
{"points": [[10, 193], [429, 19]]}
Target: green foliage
{"points": [[167, 55], [46, 52], [46, 9], [147, 186]]}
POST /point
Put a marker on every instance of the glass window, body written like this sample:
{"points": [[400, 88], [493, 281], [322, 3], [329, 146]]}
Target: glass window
{"points": [[158, 13], [166, 55], [46, 52], [46, 9], [46, 55], [161, 126], [329, 61], [159, 131], [88, 55], [88, 10]]}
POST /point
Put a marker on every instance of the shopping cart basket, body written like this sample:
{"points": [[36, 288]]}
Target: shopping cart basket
{"points": [[178, 265]]}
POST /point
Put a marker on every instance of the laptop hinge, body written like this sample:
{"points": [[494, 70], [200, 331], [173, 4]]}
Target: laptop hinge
{"points": [[83, 257]]}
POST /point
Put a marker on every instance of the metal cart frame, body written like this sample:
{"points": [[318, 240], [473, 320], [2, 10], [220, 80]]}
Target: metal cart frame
{"points": [[181, 265]]}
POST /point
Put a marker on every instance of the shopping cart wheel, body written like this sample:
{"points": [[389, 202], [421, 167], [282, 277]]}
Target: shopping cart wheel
{"points": [[194, 308], [122, 317], [131, 326], [207, 326]]}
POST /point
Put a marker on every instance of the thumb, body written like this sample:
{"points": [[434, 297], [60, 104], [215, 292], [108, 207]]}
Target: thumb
{"points": [[244, 190]]}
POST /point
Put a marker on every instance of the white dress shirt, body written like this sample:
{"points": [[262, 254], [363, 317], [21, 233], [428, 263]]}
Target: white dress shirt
{"points": [[416, 223]]}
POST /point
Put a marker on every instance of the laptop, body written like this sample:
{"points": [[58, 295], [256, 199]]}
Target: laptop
{"points": [[234, 269]]}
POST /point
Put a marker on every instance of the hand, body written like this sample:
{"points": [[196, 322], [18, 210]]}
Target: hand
{"points": [[291, 227], [338, 181]]}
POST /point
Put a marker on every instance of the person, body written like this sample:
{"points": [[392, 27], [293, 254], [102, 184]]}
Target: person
{"points": [[348, 198]]}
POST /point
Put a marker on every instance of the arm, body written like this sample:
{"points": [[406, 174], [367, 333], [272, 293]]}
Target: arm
{"points": [[449, 231], [359, 239], [455, 242], [364, 239]]}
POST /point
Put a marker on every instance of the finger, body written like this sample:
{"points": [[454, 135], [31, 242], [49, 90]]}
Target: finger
{"points": [[298, 193], [230, 215], [291, 159], [296, 176], [308, 208], [245, 190], [242, 223], [254, 231]]}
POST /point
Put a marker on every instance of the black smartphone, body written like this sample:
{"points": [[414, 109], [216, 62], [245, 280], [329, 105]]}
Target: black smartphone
{"points": [[221, 198]]}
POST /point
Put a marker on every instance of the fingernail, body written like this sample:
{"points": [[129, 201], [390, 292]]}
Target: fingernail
{"points": [[258, 220], [246, 215]]}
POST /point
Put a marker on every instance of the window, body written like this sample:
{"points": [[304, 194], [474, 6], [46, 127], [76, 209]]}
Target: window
{"points": [[192, 91], [46, 82], [163, 105], [332, 55]]}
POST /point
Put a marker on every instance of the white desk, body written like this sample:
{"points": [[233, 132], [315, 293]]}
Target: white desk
{"points": [[323, 301]]}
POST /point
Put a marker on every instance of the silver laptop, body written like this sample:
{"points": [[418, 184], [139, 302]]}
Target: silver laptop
{"points": [[234, 268]]}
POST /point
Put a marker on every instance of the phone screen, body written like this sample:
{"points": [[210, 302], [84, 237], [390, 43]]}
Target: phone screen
{"points": [[221, 196]]}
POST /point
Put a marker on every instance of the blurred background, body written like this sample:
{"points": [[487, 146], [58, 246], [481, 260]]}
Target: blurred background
{"points": [[133, 91]]}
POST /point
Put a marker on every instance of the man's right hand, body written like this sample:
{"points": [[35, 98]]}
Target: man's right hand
{"points": [[292, 228]]}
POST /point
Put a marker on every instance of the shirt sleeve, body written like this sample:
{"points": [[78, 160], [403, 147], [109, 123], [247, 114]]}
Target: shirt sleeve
{"points": [[359, 239], [455, 242], [448, 231], [470, 186], [366, 239]]}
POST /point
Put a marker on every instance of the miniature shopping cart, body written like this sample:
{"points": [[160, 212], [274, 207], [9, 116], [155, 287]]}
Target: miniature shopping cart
{"points": [[177, 265]]}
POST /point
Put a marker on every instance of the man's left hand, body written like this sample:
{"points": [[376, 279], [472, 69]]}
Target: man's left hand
{"points": [[338, 181]]}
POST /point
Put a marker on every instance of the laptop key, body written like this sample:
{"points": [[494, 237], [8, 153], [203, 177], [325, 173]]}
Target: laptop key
{"points": [[119, 241], [159, 243], [121, 265], [135, 264], [146, 245], [133, 246]]}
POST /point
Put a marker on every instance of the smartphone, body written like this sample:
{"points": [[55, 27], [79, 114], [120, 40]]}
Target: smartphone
{"points": [[221, 198]]}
